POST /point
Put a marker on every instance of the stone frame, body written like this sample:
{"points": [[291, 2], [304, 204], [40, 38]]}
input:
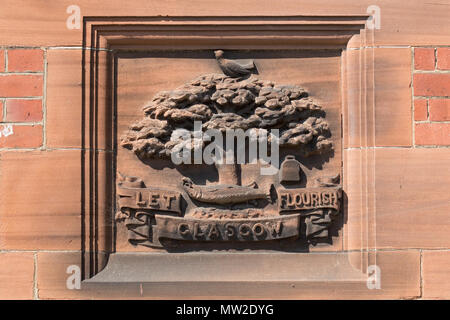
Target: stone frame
{"points": [[103, 37]]}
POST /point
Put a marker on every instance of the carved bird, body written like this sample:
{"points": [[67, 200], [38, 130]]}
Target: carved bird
{"points": [[234, 68]]}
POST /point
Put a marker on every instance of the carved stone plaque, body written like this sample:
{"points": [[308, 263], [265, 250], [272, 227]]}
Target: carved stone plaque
{"points": [[230, 149]]}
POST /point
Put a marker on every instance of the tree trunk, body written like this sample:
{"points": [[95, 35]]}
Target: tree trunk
{"points": [[229, 174]]}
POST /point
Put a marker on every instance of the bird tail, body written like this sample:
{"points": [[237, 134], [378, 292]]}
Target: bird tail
{"points": [[246, 64]]}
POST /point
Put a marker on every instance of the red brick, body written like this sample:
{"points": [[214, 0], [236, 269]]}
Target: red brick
{"points": [[15, 86], [431, 84], [2, 60], [443, 58], [1, 111], [424, 58], [440, 109], [25, 60], [23, 110], [16, 275], [420, 109], [433, 134], [22, 137]]}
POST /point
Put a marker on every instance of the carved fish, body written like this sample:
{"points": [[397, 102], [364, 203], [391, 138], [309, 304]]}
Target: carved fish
{"points": [[223, 194]]}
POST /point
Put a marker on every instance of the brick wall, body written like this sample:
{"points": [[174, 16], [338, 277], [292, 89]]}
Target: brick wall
{"points": [[22, 96], [40, 146], [431, 90], [431, 105]]}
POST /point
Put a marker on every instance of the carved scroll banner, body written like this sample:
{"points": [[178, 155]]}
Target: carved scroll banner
{"points": [[149, 198], [228, 229], [309, 199]]}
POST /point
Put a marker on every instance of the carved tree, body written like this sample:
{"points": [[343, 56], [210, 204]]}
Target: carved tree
{"points": [[222, 102]]}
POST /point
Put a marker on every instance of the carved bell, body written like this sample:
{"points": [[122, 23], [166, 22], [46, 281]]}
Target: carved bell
{"points": [[290, 170]]}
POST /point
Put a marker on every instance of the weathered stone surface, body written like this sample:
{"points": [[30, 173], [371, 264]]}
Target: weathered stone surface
{"points": [[436, 266], [400, 184]]}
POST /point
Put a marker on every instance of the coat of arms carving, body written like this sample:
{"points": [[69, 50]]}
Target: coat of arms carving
{"points": [[257, 134]]}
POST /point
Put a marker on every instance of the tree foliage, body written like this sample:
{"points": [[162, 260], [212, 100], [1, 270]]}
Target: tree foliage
{"points": [[221, 102]]}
